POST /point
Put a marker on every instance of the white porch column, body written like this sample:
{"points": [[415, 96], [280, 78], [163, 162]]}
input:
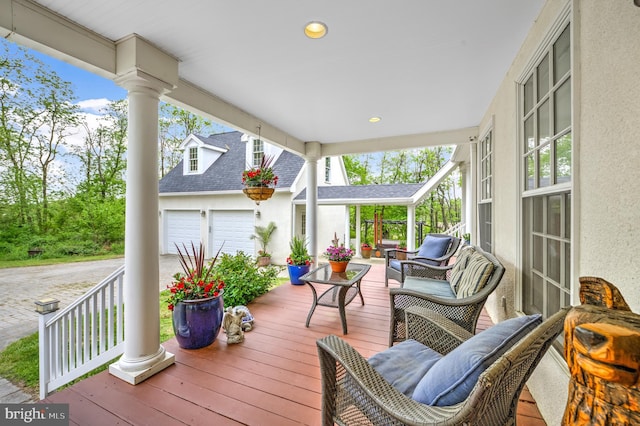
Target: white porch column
{"points": [[465, 208], [472, 194], [143, 355], [358, 232], [347, 227], [411, 227], [312, 156]]}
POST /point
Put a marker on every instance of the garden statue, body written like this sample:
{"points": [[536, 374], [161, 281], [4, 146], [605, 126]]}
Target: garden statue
{"points": [[247, 320], [232, 325], [602, 349]]}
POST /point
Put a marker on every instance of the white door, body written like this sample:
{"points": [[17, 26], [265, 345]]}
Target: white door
{"points": [[233, 228], [183, 227]]}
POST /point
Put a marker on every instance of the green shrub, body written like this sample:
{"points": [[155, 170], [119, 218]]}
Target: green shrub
{"points": [[243, 279]]}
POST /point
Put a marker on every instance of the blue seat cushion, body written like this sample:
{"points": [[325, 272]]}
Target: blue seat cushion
{"points": [[430, 286], [451, 379], [395, 264], [404, 364], [434, 247]]}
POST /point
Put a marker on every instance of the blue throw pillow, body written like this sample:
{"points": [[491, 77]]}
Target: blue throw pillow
{"points": [[452, 378], [404, 364], [434, 247]]}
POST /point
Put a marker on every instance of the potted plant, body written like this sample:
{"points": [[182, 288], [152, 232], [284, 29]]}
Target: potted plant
{"points": [[196, 299], [467, 238], [401, 255], [338, 255], [263, 234], [260, 181], [365, 249], [299, 261]]}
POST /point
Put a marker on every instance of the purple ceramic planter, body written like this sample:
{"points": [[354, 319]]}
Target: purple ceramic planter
{"points": [[196, 323]]}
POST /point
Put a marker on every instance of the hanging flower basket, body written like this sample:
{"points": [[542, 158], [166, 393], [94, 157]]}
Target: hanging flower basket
{"points": [[260, 181], [258, 193]]}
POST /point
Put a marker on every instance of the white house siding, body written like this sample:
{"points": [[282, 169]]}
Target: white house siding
{"points": [[606, 101], [231, 231], [182, 228], [277, 209]]}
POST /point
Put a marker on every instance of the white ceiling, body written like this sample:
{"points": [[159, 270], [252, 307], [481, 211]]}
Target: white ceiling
{"points": [[424, 66]]}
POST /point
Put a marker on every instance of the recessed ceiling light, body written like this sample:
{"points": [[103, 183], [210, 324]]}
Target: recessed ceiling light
{"points": [[315, 29], [374, 119]]}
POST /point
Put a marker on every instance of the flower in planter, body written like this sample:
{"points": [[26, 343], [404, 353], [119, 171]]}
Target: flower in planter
{"points": [[198, 280], [365, 246], [261, 175], [338, 253], [299, 254]]}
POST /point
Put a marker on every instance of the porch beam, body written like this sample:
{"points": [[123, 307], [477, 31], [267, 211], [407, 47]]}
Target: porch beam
{"points": [[201, 102], [420, 140], [36, 27]]}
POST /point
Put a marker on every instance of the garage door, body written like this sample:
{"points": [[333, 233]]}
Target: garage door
{"points": [[183, 226], [234, 228]]}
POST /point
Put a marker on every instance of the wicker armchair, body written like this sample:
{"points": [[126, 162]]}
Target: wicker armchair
{"points": [[392, 263], [464, 311], [353, 392]]}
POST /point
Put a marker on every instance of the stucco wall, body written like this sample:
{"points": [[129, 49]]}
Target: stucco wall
{"points": [[606, 158], [609, 185]]}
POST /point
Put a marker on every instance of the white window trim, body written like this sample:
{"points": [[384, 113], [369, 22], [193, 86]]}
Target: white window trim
{"points": [[190, 160], [489, 129]]}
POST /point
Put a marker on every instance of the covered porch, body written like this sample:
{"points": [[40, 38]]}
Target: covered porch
{"points": [[272, 378]]}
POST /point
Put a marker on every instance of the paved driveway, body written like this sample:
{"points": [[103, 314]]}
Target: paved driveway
{"points": [[20, 287]]}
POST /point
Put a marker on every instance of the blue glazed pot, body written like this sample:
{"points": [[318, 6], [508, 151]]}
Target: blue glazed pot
{"points": [[296, 271], [196, 323]]}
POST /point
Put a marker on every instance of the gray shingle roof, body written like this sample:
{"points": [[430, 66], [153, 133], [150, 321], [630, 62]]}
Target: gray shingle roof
{"points": [[225, 174], [362, 192]]}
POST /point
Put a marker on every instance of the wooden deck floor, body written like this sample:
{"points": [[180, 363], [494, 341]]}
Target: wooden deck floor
{"points": [[272, 378]]}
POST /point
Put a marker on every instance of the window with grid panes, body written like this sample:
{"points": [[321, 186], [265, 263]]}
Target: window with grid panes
{"points": [[546, 149], [193, 159], [327, 169], [258, 151], [303, 224], [486, 192]]}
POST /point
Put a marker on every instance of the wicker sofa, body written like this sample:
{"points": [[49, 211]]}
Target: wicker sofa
{"points": [[457, 291]]}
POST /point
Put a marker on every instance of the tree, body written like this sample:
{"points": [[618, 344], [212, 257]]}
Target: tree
{"points": [[438, 211], [103, 153], [36, 111]]}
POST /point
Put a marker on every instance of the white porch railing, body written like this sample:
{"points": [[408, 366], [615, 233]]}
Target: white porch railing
{"points": [[457, 230], [82, 336]]}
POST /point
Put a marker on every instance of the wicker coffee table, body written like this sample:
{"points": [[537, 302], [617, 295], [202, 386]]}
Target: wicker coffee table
{"points": [[344, 287]]}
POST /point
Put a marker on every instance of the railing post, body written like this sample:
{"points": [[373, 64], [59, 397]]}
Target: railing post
{"points": [[46, 308]]}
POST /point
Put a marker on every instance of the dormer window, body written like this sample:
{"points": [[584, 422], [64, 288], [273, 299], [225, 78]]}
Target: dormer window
{"points": [[193, 159], [258, 152]]}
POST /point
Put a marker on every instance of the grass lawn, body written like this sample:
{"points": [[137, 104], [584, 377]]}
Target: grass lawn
{"points": [[16, 361], [37, 261]]}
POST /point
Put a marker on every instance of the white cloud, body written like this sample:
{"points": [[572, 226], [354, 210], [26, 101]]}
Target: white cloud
{"points": [[94, 105]]}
